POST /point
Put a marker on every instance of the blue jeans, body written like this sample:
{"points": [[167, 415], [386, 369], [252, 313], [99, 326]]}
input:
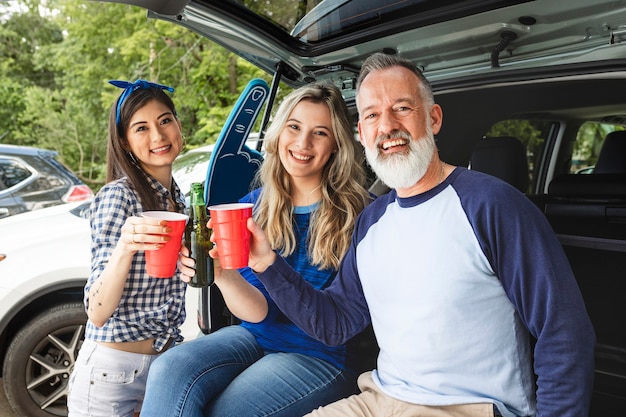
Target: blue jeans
{"points": [[227, 374]]}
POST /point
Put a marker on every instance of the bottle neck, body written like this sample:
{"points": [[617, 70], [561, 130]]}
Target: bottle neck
{"points": [[197, 195], [196, 200]]}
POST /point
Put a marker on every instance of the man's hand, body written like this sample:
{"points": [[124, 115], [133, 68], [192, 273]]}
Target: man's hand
{"points": [[261, 253]]}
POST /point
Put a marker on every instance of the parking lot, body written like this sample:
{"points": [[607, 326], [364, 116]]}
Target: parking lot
{"points": [[5, 410]]}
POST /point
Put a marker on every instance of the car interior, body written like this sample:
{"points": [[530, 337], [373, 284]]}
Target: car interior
{"points": [[587, 211]]}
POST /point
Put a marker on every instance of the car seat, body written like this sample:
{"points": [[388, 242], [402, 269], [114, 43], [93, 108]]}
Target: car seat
{"points": [[606, 182], [612, 157], [503, 157], [588, 214]]}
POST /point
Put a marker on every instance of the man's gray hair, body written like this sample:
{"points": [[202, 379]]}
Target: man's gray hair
{"points": [[380, 61]]}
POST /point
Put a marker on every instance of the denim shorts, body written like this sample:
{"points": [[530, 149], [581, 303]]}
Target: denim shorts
{"points": [[107, 382]]}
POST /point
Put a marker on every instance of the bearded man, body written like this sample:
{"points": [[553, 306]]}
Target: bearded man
{"points": [[472, 300]]}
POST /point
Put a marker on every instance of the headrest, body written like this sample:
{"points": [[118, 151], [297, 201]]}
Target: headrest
{"points": [[612, 157], [503, 157]]}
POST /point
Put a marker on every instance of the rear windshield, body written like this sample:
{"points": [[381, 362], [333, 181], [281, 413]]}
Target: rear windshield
{"points": [[318, 20]]}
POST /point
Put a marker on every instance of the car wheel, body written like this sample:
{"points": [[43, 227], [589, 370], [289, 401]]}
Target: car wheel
{"points": [[40, 359]]}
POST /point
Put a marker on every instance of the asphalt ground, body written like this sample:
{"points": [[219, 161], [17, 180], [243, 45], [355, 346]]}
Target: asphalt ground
{"points": [[5, 409]]}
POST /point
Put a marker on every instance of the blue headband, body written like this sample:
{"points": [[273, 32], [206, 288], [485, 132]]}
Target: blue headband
{"points": [[129, 88]]}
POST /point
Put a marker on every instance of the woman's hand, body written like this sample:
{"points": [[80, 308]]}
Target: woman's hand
{"points": [[243, 300], [138, 233], [186, 265], [142, 233], [261, 253]]}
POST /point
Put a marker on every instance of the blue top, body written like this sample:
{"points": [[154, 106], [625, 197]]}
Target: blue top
{"points": [[150, 308], [454, 281], [276, 333]]}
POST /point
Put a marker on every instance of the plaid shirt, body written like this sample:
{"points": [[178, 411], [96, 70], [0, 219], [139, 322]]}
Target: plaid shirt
{"points": [[150, 308]]}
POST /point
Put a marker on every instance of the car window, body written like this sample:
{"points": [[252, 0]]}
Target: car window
{"points": [[190, 167], [533, 134], [13, 172], [48, 178], [313, 21], [58, 168], [587, 147]]}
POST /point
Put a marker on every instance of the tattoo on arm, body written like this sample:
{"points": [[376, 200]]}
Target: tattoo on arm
{"points": [[94, 293]]}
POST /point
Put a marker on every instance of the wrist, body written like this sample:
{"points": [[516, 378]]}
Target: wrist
{"points": [[264, 263], [224, 275]]}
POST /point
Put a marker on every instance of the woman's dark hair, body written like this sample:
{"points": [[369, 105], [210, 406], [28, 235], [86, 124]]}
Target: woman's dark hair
{"points": [[120, 160]]}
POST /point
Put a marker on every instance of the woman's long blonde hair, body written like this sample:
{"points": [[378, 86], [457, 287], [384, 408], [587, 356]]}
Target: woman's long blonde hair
{"points": [[342, 186]]}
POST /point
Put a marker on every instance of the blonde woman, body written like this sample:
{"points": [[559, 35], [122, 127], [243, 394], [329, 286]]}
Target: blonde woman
{"points": [[311, 191]]}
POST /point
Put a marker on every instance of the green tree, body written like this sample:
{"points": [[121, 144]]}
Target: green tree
{"points": [[54, 91], [22, 33], [588, 142]]}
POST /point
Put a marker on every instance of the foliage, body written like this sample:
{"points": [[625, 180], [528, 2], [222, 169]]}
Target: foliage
{"points": [[56, 57], [586, 148], [525, 130], [589, 140]]}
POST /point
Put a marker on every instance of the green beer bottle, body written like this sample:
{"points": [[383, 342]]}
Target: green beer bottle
{"points": [[197, 237]]}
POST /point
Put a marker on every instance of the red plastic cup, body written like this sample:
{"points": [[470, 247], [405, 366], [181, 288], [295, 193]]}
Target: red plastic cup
{"points": [[231, 233], [161, 263]]}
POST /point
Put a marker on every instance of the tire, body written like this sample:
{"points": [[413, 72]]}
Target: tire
{"points": [[40, 359]]}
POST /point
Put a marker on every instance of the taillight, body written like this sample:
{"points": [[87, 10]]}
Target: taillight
{"points": [[78, 193]]}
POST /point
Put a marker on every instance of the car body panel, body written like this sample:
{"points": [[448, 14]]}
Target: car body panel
{"points": [[27, 241], [191, 167], [48, 251], [34, 264]]}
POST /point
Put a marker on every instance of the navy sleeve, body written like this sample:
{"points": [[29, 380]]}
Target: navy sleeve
{"points": [[333, 315], [528, 259]]}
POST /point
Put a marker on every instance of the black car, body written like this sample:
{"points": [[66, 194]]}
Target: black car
{"points": [[32, 178]]}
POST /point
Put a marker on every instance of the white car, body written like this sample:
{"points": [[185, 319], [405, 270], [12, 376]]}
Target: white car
{"points": [[192, 166], [44, 264]]}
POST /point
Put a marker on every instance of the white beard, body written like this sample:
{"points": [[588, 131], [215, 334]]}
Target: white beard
{"points": [[403, 170]]}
